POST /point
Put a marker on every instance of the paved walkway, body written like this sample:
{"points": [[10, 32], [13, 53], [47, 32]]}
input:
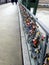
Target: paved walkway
{"points": [[10, 50]]}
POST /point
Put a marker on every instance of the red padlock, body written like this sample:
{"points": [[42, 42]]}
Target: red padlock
{"points": [[35, 42]]}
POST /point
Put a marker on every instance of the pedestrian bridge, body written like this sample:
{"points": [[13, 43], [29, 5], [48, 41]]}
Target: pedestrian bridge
{"points": [[13, 47]]}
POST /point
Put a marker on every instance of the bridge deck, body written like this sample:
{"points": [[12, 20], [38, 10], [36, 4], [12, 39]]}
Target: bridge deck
{"points": [[10, 46]]}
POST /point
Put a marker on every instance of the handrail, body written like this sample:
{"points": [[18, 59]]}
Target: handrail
{"points": [[46, 29]]}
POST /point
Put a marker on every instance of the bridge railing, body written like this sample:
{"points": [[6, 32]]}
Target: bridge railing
{"points": [[44, 27]]}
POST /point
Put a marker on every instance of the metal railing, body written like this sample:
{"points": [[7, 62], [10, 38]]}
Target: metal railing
{"points": [[39, 22], [46, 30]]}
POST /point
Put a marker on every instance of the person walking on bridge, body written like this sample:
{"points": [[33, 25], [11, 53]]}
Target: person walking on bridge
{"points": [[16, 1], [12, 1]]}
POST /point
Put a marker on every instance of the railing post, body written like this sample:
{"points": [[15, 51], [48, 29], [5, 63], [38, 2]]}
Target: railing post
{"points": [[35, 7]]}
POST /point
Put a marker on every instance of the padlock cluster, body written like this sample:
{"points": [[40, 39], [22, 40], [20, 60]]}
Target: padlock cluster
{"points": [[34, 37], [46, 62]]}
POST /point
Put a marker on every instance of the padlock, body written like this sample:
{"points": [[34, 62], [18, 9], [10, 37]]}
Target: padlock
{"points": [[31, 35], [37, 50], [46, 59], [43, 37], [35, 42], [33, 55], [36, 39]]}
